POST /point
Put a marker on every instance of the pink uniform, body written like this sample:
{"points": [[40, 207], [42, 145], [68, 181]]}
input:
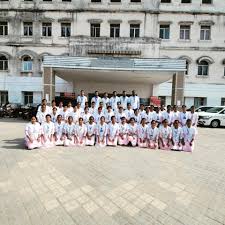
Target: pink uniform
{"points": [[32, 135], [189, 136], [123, 134], [91, 131], [177, 135], [59, 137], [132, 134], [165, 134], [113, 132], [142, 136], [80, 132], [101, 133], [69, 132], [48, 130], [152, 136]]}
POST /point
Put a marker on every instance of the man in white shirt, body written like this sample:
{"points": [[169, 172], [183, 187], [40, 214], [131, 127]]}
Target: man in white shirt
{"points": [[82, 99], [48, 108], [105, 100], [124, 100], [114, 100], [41, 115], [193, 116], [134, 100], [96, 99]]}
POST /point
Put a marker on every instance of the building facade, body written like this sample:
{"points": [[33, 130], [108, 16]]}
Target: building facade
{"points": [[192, 30]]}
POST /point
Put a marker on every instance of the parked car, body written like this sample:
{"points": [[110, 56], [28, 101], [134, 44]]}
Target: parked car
{"points": [[214, 117], [203, 108]]}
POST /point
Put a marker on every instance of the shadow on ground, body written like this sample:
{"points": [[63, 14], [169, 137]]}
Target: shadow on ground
{"points": [[13, 144]]}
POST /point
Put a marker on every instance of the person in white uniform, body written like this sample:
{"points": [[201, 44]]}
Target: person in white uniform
{"points": [[81, 131], [82, 99], [114, 100], [86, 115], [142, 134], [69, 107], [41, 115], [120, 114], [124, 100], [134, 100], [177, 135], [69, 133], [113, 132], [183, 116], [48, 130], [48, 108], [109, 114], [132, 132], [75, 115], [59, 125], [96, 99], [129, 112], [33, 134], [193, 116], [105, 100], [175, 114], [54, 114], [91, 131], [65, 113], [152, 135], [101, 133], [123, 132], [98, 115]]}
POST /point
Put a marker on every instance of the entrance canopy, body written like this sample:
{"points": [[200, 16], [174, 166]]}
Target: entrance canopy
{"points": [[108, 69]]}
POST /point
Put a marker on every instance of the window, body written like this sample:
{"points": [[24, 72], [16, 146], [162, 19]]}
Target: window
{"points": [[187, 68], [3, 63], [47, 0], [66, 0], [135, 0], [46, 29], [223, 101], [3, 28], [206, 1], [185, 1], [95, 0], [28, 0], [203, 68], [134, 30], [164, 32], [27, 28], [95, 30], [114, 30], [205, 33], [165, 1], [3, 97], [27, 64], [115, 0], [27, 97], [65, 29], [185, 32], [200, 101]]}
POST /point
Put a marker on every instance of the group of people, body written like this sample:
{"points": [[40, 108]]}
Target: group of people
{"points": [[111, 122]]}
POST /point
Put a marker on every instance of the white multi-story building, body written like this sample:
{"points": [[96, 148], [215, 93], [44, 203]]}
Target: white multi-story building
{"points": [[192, 30]]}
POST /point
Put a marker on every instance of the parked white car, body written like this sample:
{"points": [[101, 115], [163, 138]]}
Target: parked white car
{"points": [[214, 117]]}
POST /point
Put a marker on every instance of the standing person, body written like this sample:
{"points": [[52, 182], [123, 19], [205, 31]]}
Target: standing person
{"points": [[183, 116], [167, 115], [69, 107], [158, 116], [44, 102], [105, 100], [153, 135], [81, 132], [65, 114], [120, 114], [80, 110], [96, 99], [48, 130], [148, 115], [41, 115], [134, 100], [113, 132], [114, 100], [53, 106], [177, 135], [60, 108], [98, 115], [54, 114], [92, 109], [137, 116], [91, 131], [165, 135], [86, 115], [33, 134], [69, 133], [129, 112], [75, 115], [82, 99], [132, 133], [142, 111], [124, 100], [175, 114], [101, 133], [189, 134], [142, 134], [109, 114], [59, 125], [193, 116], [123, 132]]}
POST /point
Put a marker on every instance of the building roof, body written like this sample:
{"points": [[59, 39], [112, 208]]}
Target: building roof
{"points": [[111, 63]]}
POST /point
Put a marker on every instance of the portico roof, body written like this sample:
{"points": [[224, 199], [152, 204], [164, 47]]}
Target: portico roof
{"points": [[116, 70]]}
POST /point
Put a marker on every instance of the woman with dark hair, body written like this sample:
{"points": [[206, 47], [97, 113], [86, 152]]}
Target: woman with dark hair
{"points": [[48, 130], [101, 132], [33, 134], [132, 132], [177, 135], [113, 132], [165, 135], [189, 133], [91, 131], [59, 125], [81, 131], [153, 135], [123, 132], [142, 134], [69, 133]]}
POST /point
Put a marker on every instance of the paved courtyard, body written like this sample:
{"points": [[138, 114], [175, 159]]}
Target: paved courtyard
{"points": [[111, 186]]}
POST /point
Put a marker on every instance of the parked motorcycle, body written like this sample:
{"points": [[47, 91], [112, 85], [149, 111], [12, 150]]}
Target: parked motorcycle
{"points": [[28, 111]]}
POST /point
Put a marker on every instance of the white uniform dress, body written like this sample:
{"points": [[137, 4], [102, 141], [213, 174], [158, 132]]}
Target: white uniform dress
{"points": [[65, 115], [98, 116], [59, 137], [81, 132], [54, 117], [75, 116], [189, 135], [114, 102], [101, 133], [194, 119], [129, 113], [175, 116], [119, 116], [86, 117], [105, 102], [69, 132], [183, 118], [132, 134], [33, 131], [91, 131], [41, 116], [177, 135], [97, 101], [108, 116], [113, 132], [123, 134], [124, 101], [165, 134], [48, 130], [137, 118], [82, 100], [142, 136], [135, 102], [153, 137]]}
